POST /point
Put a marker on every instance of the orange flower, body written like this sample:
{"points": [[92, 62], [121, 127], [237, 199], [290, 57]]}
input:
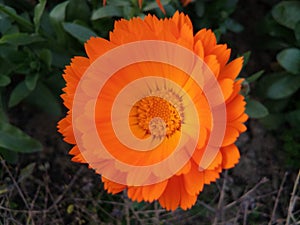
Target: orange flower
{"points": [[155, 110]]}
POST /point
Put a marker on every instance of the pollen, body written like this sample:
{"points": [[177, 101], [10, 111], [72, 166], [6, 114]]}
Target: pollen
{"points": [[157, 116]]}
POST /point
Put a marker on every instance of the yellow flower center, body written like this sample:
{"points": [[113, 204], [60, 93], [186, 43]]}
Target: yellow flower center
{"points": [[156, 116]]}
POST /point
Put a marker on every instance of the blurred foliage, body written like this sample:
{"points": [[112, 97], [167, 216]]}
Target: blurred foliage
{"points": [[280, 89], [215, 15]]}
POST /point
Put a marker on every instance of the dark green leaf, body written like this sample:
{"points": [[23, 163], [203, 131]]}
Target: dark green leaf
{"points": [[79, 32], [78, 10], [293, 118], [9, 156], [255, 109], [283, 86], [246, 57], [14, 139], [297, 31], [44, 99], [254, 76], [233, 25], [45, 56], [119, 3], [287, 13], [153, 5], [31, 81], [4, 80], [20, 39], [58, 13], [19, 93], [38, 12], [200, 8], [5, 24], [107, 11], [289, 59], [12, 14], [272, 121]]}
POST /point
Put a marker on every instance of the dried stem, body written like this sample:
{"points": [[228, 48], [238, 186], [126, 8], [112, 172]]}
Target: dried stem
{"points": [[277, 198], [292, 200]]}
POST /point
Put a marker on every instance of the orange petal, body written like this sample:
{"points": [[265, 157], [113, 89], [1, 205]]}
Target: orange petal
{"points": [[227, 87], [140, 3], [236, 89], [199, 49], [216, 162], [175, 195], [222, 54], [232, 69], [231, 135], [208, 39], [96, 47], [112, 187], [213, 64], [235, 108], [161, 6], [211, 176], [185, 2], [154, 191], [231, 156], [135, 193], [194, 180], [185, 169]]}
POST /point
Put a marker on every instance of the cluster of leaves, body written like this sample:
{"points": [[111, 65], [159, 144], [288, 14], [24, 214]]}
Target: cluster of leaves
{"points": [[280, 89], [215, 15], [36, 42]]}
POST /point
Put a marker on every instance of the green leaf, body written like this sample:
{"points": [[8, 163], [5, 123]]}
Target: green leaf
{"points": [[38, 12], [4, 80], [200, 8], [119, 3], [31, 81], [287, 13], [9, 156], [58, 13], [12, 14], [78, 10], [19, 93], [289, 59], [272, 121], [14, 139], [20, 39], [293, 117], [45, 56], [283, 86], [153, 5], [107, 11], [5, 25], [255, 109], [254, 76], [233, 25], [44, 99], [79, 32], [246, 57], [297, 31]]}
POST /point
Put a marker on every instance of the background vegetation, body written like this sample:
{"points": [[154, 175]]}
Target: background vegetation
{"points": [[39, 184]]}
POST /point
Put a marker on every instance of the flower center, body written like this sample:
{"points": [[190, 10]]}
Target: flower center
{"points": [[156, 116]]}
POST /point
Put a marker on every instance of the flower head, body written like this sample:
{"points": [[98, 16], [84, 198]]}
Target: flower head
{"points": [[155, 110]]}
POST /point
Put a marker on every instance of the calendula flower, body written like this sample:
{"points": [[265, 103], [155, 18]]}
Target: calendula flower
{"points": [[155, 109]]}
